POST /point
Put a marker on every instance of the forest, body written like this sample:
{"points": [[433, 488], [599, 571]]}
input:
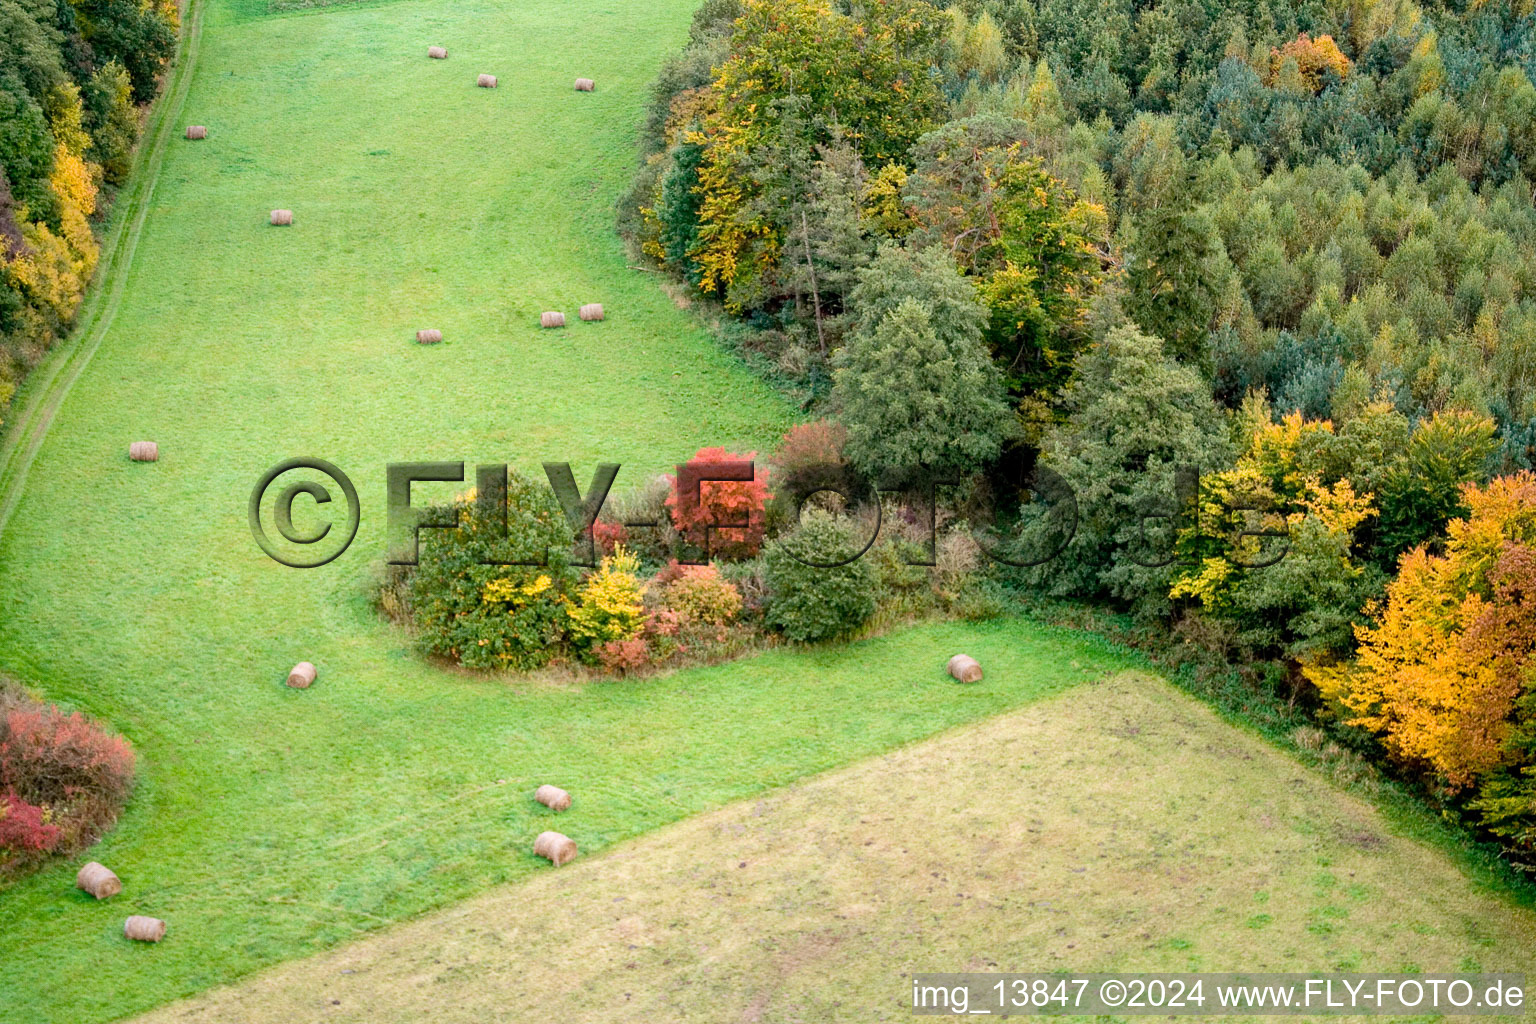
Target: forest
{"points": [[1288, 247], [74, 77]]}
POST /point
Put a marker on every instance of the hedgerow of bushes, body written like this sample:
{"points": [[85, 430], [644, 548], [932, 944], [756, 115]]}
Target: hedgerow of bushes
{"points": [[643, 606]]}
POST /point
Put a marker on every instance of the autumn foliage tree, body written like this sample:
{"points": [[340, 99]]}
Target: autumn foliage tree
{"points": [[1314, 60], [1273, 541], [1023, 235], [715, 503], [801, 74], [70, 74], [1446, 675]]}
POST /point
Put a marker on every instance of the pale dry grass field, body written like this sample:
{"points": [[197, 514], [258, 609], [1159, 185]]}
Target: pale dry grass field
{"points": [[1119, 826]]}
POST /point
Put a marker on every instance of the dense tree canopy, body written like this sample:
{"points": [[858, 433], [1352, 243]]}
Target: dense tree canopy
{"points": [[1290, 244], [1293, 195], [915, 387], [71, 72]]}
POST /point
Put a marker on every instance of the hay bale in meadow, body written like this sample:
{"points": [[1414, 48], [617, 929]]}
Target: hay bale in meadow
{"points": [[553, 797], [487, 82], [965, 668], [98, 880], [144, 451], [555, 848], [197, 131], [551, 319], [437, 53], [144, 929], [302, 676], [282, 218], [584, 84], [592, 311], [431, 336]]}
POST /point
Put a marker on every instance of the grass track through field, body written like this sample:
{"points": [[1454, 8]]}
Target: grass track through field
{"points": [[47, 387]]}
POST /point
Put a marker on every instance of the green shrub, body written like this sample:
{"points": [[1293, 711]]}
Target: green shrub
{"points": [[495, 616], [810, 603]]}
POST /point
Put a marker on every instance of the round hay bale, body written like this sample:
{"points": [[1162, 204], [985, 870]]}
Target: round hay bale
{"points": [[431, 336], [98, 880], [437, 53], [144, 929], [282, 218], [553, 797], [487, 82], [197, 131], [592, 311], [551, 319], [965, 668], [584, 84], [144, 451], [556, 848], [302, 676]]}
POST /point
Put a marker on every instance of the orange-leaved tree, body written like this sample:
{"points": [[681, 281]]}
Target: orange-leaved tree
{"points": [[713, 504], [1446, 674], [1313, 57]]}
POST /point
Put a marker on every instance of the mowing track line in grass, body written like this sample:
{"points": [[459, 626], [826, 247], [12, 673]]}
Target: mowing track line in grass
{"points": [[49, 384]]}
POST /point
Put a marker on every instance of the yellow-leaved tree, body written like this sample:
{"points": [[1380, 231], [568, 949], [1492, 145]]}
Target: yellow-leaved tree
{"points": [[1271, 549], [610, 605], [1445, 674]]}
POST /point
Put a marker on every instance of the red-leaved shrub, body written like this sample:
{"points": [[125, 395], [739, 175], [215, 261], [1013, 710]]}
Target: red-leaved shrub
{"points": [[669, 573], [607, 536], [624, 656], [52, 757], [722, 501], [663, 622], [58, 768], [808, 445], [22, 828]]}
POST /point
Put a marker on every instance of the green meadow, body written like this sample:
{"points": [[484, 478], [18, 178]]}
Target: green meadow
{"points": [[269, 823]]}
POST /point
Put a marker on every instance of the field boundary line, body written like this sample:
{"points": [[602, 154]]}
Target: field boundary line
{"points": [[49, 384]]}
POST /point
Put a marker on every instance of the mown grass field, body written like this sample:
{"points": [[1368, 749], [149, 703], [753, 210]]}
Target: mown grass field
{"points": [[1121, 827], [270, 824]]}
